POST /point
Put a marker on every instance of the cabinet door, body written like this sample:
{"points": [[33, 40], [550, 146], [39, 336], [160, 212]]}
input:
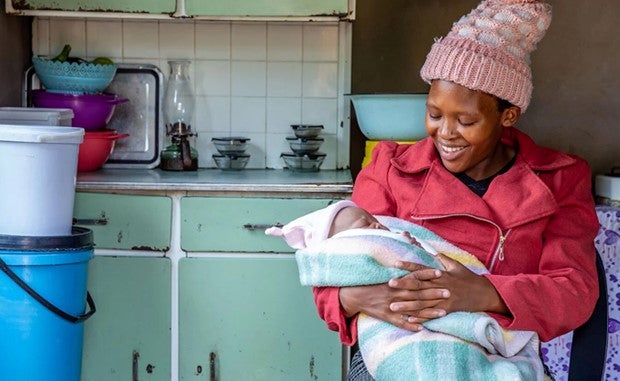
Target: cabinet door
{"points": [[127, 222], [129, 335], [250, 319], [338, 8], [238, 224], [134, 6]]}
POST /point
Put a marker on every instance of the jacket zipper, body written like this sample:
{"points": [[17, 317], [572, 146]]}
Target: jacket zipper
{"points": [[499, 250]]}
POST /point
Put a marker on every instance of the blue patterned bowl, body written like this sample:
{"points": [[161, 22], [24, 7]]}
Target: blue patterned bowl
{"points": [[73, 78]]}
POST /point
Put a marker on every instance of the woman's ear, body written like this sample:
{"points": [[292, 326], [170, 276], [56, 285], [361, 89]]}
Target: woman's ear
{"points": [[510, 116]]}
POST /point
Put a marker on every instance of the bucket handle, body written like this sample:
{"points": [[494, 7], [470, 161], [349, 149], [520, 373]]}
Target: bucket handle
{"points": [[73, 319]]}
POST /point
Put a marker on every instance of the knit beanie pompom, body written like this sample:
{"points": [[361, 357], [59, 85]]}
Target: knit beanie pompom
{"points": [[489, 49]]}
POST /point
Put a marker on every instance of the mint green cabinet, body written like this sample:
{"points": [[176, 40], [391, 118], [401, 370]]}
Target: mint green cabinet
{"points": [[133, 6], [250, 319], [128, 338], [236, 224], [278, 8], [127, 222]]}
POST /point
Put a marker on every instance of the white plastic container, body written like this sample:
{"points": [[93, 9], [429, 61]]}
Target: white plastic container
{"points": [[608, 186], [32, 116], [38, 166]]}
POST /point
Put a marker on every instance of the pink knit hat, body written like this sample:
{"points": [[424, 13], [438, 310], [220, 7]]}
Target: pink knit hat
{"points": [[489, 49]]}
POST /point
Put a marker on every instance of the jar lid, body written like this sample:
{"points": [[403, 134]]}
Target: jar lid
{"points": [[293, 138], [231, 139]]}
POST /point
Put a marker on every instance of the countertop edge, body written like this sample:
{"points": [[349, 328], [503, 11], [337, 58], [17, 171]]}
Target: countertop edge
{"points": [[256, 181]]}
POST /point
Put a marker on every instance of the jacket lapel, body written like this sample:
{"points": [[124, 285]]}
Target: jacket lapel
{"points": [[513, 198]]}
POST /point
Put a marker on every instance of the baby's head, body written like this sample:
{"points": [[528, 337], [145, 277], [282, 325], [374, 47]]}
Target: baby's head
{"points": [[353, 217]]}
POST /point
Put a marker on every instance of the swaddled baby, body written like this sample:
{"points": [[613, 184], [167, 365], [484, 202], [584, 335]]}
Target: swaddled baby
{"points": [[344, 245]]}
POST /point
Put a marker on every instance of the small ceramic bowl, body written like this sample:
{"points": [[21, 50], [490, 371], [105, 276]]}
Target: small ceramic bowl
{"points": [[303, 163], [231, 162], [231, 145], [307, 130], [302, 146]]}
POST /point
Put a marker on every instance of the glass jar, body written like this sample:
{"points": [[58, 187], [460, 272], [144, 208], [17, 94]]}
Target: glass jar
{"points": [[178, 109]]}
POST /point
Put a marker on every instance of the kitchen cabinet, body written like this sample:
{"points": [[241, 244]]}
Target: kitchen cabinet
{"points": [[283, 8], [134, 6], [250, 319], [188, 286], [233, 307], [129, 335], [303, 10], [127, 222], [236, 224]]}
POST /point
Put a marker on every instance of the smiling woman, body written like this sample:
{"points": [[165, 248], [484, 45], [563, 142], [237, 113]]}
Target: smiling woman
{"points": [[525, 211]]}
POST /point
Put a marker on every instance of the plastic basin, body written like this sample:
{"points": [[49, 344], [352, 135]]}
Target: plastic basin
{"points": [[391, 116], [90, 111]]}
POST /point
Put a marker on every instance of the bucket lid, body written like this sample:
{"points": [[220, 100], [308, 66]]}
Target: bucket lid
{"points": [[34, 113], [80, 238], [41, 134]]}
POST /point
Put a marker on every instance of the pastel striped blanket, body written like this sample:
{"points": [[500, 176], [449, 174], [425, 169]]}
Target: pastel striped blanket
{"points": [[459, 346]]}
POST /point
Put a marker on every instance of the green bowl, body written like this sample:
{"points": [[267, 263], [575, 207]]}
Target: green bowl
{"points": [[398, 117]]}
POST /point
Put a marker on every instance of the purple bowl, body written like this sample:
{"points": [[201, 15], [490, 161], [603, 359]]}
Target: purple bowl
{"points": [[90, 111]]}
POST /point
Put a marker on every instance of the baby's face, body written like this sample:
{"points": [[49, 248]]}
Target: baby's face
{"points": [[354, 218]]}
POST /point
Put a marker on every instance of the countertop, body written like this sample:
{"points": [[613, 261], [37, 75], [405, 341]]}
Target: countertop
{"points": [[215, 180]]}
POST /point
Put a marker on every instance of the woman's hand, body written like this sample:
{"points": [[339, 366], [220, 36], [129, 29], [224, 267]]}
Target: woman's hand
{"points": [[376, 300], [460, 290]]}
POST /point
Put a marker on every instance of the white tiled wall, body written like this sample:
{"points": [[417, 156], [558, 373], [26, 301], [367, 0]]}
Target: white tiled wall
{"points": [[253, 79]]}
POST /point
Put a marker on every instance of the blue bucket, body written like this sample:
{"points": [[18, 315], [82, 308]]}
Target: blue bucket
{"points": [[42, 305]]}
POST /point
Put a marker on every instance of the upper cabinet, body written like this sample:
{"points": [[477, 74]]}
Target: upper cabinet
{"points": [[286, 10], [167, 7], [268, 8]]}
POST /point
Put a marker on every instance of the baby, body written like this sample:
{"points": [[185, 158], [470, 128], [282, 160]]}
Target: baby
{"points": [[354, 217], [336, 219]]}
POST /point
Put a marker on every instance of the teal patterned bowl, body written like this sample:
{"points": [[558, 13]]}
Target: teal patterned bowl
{"points": [[73, 78]]}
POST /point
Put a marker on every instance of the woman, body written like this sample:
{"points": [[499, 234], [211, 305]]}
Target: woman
{"points": [[526, 212]]}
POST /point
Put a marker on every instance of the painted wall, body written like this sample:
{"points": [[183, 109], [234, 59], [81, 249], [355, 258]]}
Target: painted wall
{"points": [[14, 56], [576, 101]]}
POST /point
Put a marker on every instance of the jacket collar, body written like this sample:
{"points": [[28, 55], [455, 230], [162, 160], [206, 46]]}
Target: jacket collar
{"points": [[442, 193]]}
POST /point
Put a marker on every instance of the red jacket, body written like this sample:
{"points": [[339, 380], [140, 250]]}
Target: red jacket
{"points": [[534, 228]]}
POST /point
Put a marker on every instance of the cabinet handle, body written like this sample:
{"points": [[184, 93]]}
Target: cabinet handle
{"points": [[253, 227], [90, 221], [134, 366], [212, 367]]}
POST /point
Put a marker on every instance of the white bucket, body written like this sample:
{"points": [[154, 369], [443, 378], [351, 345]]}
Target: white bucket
{"points": [[38, 166]]}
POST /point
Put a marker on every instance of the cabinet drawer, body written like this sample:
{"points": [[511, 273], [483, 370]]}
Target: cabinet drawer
{"points": [[125, 221], [238, 224]]}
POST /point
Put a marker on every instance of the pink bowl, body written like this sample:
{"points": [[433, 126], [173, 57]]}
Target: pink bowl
{"points": [[90, 111]]}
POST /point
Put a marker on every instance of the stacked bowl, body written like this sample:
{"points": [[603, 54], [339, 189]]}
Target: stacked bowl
{"points": [[232, 156], [305, 146], [79, 86]]}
